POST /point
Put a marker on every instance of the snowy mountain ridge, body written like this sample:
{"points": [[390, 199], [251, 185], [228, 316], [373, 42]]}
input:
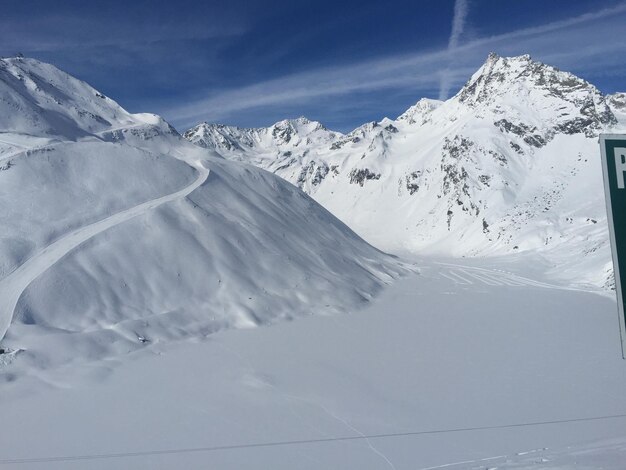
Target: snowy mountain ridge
{"points": [[39, 98], [507, 165], [117, 233], [285, 135]]}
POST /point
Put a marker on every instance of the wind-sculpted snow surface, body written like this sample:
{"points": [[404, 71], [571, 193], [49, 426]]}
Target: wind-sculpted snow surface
{"points": [[55, 190], [113, 237], [509, 165], [13, 285], [215, 259]]}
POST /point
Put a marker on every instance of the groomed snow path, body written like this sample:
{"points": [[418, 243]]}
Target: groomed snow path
{"points": [[12, 286]]}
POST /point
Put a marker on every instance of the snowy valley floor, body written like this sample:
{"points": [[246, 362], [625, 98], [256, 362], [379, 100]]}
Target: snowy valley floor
{"points": [[467, 365]]}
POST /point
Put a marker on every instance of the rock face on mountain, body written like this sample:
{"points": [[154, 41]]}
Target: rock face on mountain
{"points": [[509, 165], [117, 232], [617, 102]]}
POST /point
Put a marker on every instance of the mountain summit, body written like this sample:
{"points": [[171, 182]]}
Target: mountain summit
{"points": [[543, 90]]}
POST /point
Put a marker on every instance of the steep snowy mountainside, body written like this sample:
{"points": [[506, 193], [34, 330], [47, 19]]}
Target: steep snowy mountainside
{"points": [[246, 248], [37, 98], [40, 105], [617, 103], [509, 164], [122, 233], [46, 193]]}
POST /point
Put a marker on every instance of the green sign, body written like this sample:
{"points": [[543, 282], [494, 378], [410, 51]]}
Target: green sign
{"points": [[614, 168]]}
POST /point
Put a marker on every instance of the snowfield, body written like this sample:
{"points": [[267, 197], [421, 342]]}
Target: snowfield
{"points": [[148, 284], [467, 365]]}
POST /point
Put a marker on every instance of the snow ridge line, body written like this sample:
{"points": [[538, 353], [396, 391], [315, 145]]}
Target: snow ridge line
{"points": [[12, 286]]}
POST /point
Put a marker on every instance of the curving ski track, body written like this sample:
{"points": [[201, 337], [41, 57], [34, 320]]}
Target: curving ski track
{"points": [[14, 284]]}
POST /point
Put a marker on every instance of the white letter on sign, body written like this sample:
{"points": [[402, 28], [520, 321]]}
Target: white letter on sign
{"points": [[620, 166]]}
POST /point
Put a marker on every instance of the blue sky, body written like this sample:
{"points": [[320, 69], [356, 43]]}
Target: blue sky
{"points": [[251, 63]]}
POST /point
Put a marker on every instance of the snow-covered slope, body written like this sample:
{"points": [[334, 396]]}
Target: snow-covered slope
{"points": [[617, 103], [508, 165], [38, 98], [41, 104], [117, 233], [470, 365]]}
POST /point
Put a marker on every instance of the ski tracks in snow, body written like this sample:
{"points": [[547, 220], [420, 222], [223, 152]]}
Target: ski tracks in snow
{"points": [[470, 276], [12, 286]]}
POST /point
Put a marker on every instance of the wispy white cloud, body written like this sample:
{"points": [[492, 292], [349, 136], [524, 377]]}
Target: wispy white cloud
{"points": [[459, 18], [68, 31], [583, 43], [461, 8]]}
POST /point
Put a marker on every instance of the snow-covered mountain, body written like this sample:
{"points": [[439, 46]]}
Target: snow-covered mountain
{"points": [[117, 233], [286, 135], [39, 99], [508, 165]]}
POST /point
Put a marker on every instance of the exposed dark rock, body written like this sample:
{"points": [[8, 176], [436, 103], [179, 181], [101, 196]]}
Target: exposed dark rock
{"points": [[284, 133], [516, 147], [313, 172], [412, 181], [359, 176], [529, 134]]}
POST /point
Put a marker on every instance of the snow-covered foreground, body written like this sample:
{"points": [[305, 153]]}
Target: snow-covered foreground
{"points": [[466, 365]]}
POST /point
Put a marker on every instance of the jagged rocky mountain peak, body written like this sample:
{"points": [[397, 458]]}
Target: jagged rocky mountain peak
{"points": [[505, 75], [530, 94], [420, 111], [286, 128]]}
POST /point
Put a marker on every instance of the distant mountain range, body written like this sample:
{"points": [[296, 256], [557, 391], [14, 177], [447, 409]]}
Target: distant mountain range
{"points": [[509, 165]]}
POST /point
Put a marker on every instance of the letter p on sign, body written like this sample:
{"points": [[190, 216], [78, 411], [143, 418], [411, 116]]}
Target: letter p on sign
{"points": [[620, 166], [613, 148]]}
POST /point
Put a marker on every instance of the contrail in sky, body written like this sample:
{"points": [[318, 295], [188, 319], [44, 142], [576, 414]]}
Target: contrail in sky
{"points": [[458, 25]]}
